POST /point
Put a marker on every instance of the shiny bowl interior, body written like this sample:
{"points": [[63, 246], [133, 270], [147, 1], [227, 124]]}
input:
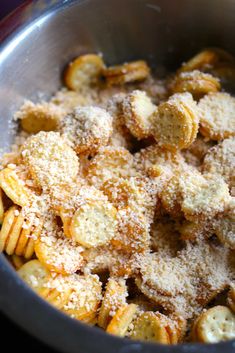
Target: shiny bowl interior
{"points": [[165, 33]]}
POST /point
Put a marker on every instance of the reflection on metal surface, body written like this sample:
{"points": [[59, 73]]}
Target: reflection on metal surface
{"points": [[133, 348], [37, 7], [154, 7], [20, 37]]}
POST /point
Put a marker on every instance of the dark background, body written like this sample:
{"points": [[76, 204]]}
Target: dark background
{"points": [[8, 328], [6, 6]]}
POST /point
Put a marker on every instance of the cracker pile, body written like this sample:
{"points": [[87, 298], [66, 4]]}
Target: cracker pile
{"points": [[117, 199]]}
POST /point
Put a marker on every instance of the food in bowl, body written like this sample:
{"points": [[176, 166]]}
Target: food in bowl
{"points": [[117, 199]]}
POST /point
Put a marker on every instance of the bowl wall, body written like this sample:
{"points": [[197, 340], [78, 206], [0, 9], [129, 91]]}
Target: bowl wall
{"points": [[164, 32]]}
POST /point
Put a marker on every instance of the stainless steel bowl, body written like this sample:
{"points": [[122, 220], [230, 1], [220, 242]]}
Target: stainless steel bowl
{"points": [[164, 32]]}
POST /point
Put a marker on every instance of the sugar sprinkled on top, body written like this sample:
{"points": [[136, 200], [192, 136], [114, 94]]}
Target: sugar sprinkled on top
{"points": [[87, 128], [50, 159], [180, 276]]}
